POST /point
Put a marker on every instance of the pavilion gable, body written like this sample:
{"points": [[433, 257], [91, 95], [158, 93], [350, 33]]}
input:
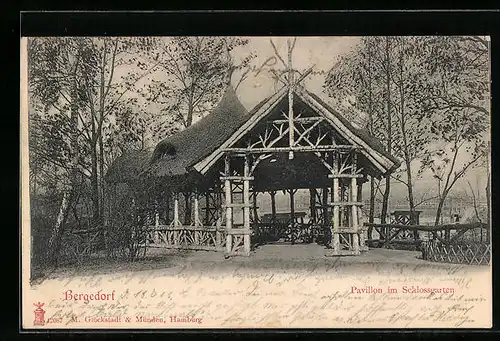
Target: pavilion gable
{"points": [[353, 137]]}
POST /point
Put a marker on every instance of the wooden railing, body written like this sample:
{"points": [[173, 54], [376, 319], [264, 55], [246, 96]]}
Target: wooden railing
{"points": [[187, 237], [450, 243], [392, 234], [298, 233]]}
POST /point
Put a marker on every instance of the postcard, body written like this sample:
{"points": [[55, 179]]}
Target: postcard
{"points": [[255, 182]]}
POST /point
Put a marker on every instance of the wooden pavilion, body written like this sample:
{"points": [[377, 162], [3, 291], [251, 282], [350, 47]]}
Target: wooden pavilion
{"points": [[208, 176]]}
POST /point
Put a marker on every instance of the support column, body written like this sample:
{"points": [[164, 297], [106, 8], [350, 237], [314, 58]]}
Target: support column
{"points": [[291, 130], [229, 209], [354, 210], [177, 222], [292, 214], [197, 222], [156, 236], [312, 205], [246, 207], [325, 209], [207, 207], [273, 205], [354, 207], [167, 208], [254, 203], [335, 215], [362, 234], [187, 207]]}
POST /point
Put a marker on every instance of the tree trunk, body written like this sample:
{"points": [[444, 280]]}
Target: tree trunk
{"points": [[385, 198], [57, 231], [69, 192], [94, 186], [488, 185], [439, 210], [371, 214], [101, 179]]}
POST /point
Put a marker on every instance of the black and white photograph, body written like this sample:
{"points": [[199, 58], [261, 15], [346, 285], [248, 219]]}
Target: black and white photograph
{"points": [[256, 182]]}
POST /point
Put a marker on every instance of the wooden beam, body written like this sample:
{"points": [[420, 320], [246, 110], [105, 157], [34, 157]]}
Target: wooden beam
{"points": [[432, 228], [237, 178], [207, 162], [304, 135], [295, 149], [300, 120], [379, 160], [346, 203], [304, 75], [332, 176]]}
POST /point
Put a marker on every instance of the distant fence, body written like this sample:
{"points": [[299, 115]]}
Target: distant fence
{"points": [[450, 243]]}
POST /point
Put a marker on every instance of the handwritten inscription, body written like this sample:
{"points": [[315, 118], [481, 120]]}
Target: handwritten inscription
{"points": [[239, 295]]}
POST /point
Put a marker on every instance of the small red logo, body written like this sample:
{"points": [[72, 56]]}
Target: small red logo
{"points": [[39, 314]]}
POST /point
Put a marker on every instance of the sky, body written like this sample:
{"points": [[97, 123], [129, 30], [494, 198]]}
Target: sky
{"points": [[317, 52], [322, 53]]}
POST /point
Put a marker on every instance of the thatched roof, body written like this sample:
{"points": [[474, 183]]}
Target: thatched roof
{"points": [[176, 154], [128, 166]]}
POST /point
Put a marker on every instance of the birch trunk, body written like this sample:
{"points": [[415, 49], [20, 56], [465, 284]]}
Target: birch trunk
{"points": [[69, 191]]}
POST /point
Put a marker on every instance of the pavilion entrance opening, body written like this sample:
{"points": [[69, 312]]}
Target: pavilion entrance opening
{"points": [[290, 205]]}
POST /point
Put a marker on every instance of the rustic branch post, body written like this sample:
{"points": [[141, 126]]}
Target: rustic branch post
{"points": [[273, 206], [177, 222], [229, 209], [246, 203], [292, 214], [354, 207], [312, 205], [197, 222], [335, 215], [290, 101], [157, 223]]}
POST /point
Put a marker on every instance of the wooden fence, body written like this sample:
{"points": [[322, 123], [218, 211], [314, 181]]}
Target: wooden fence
{"points": [[267, 232], [450, 243], [461, 253], [187, 237]]}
